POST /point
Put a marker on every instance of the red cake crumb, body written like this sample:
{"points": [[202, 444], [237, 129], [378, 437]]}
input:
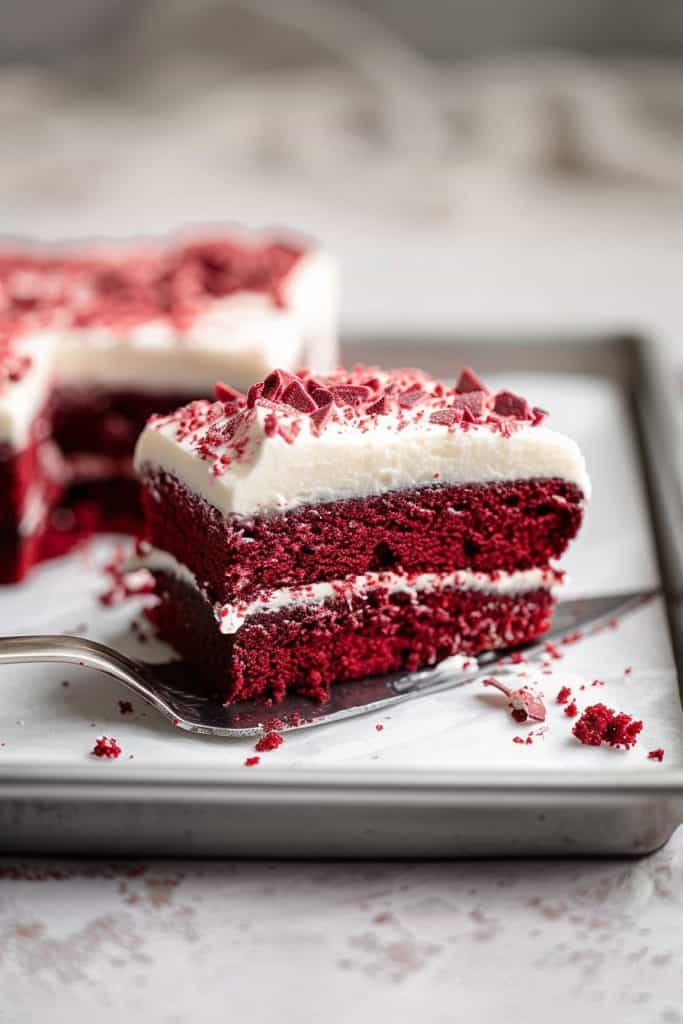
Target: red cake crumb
{"points": [[526, 741], [125, 707], [598, 682], [552, 650], [564, 695], [627, 671], [656, 755], [523, 703], [600, 724], [379, 727], [571, 710], [269, 741], [106, 746], [572, 638], [251, 761]]}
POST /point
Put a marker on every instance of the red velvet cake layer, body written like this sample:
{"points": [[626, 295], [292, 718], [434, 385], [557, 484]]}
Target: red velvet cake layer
{"points": [[92, 490], [107, 422], [99, 506], [486, 528], [306, 648], [21, 472]]}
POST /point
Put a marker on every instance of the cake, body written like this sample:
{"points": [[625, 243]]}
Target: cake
{"points": [[92, 343], [332, 527]]}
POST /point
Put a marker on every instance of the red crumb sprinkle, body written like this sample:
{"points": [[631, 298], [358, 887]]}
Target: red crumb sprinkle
{"points": [[571, 710], [552, 650], [572, 638], [600, 724], [656, 755], [251, 761], [125, 707], [525, 741], [269, 741], [106, 746], [379, 727], [627, 671], [564, 695], [598, 682]]}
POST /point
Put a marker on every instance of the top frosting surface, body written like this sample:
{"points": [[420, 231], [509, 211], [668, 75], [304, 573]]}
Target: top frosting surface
{"points": [[295, 440], [123, 288], [166, 318]]}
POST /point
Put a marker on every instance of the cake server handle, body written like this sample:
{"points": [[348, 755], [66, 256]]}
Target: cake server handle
{"points": [[76, 650]]}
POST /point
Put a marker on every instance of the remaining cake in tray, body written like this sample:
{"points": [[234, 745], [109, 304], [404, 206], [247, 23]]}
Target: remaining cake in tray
{"points": [[92, 344], [334, 527]]}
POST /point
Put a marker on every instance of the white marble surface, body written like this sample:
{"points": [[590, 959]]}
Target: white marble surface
{"points": [[365, 942]]}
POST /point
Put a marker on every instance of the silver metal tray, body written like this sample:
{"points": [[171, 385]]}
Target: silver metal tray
{"points": [[442, 778]]}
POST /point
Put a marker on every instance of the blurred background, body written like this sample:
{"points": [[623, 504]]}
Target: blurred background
{"points": [[513, 165]]}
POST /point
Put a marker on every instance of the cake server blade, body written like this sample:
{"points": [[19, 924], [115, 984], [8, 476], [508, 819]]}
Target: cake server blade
{"points": [[164, 686]]}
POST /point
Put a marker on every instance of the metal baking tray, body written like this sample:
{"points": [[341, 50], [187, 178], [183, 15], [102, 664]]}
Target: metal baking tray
{"points": [[442, 778]]}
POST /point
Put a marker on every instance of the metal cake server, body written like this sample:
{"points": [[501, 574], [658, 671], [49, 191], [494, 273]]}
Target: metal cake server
{"points": [[164, 685]]}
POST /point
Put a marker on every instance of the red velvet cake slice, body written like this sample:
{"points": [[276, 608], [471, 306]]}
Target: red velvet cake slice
{"points": [[93, 343], [334, 527], [30, 465]]}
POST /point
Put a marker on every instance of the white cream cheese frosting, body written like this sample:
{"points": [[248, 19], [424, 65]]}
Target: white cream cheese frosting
{"points": [[238, 339], [21, 400], [253, 467]]}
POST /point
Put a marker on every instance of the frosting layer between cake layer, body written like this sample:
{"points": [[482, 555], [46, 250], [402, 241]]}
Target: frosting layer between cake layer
{"points": [[231, 617]]}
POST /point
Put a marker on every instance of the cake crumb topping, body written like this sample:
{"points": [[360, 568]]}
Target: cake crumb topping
{"points": [[363, 399], [524, 703], [120, 289]]}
